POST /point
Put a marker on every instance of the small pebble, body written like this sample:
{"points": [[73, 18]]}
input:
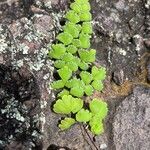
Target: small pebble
{"points": [[118, 77], [148, 70], [147, 43], [103, 146]]}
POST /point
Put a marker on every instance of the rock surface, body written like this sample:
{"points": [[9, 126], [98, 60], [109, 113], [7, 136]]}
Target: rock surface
{"points": [[19, 109], [148, 70], [121, 36], [118, 77], [131, 126], [120, 33]]}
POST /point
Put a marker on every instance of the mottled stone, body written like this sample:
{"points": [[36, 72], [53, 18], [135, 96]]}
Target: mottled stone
{"points": [[147, 43], [119, 34], [138, 40], [17, 119], [118, 77], [25, 41], [131, 126], [43, 24], [148, 70]]}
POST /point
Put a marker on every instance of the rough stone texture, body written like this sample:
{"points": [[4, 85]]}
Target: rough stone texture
{"points": [[147, 23], [24, 46], [148, 70], [121, 32], [118, 77], [19, 109], [147, 43], [131, 126]]}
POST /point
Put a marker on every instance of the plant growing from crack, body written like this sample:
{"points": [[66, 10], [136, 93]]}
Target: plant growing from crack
{"points": [[78, 76]]}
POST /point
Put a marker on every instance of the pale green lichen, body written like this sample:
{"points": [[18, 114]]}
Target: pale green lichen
{"points": [[46, 76], [18, 63], [121, 51], [43, 104], [42, 120], [12, 111], [103, 146], [31, 36], [24, 48], [39, 3], [138, 39], [39, 62], [3, 42], [36, 62], [3, 45], [48, 4], [147, 5]]}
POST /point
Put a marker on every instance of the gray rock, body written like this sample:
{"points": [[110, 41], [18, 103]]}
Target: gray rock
{"points": [[119, 34], [148, 70], [147, 43], [118, 77], [24, 43], [131, 126], [43, 24]]}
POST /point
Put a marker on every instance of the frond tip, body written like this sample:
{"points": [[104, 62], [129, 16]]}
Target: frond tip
{"points": [[66, 123], [67, 105]]}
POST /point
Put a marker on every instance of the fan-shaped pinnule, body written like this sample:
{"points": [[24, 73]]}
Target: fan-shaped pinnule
{"points": [[78, 76]]}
